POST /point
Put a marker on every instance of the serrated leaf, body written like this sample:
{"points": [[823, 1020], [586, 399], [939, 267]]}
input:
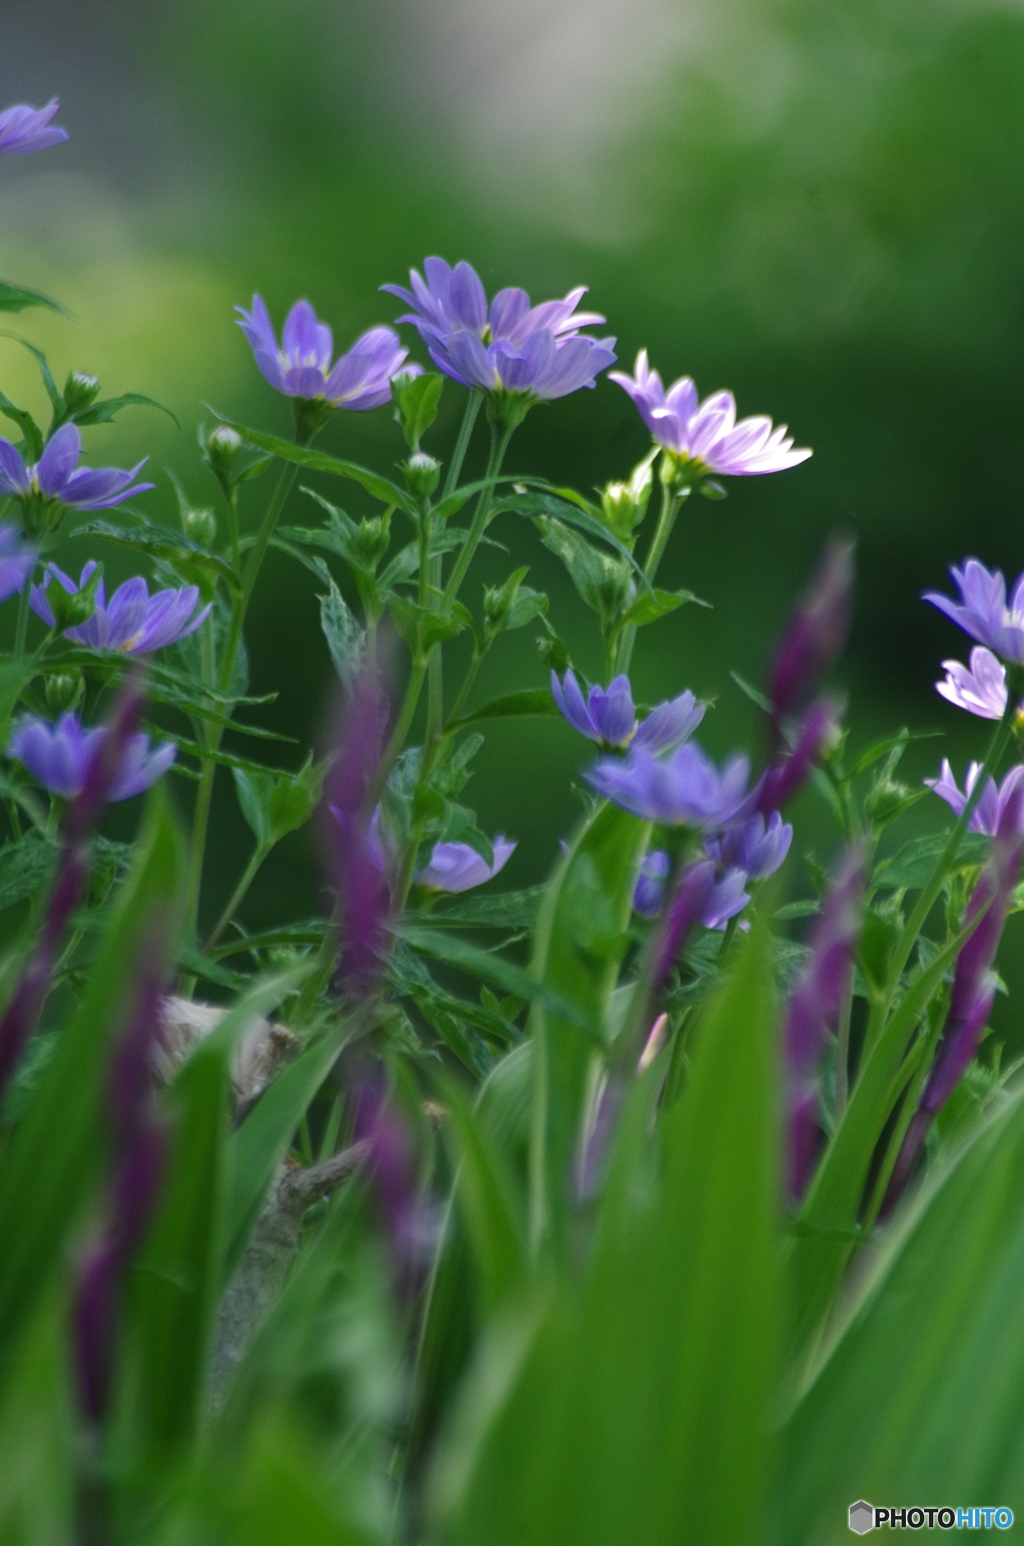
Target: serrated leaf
{"points": [[25, 866], [318, 461], [191, 561], [346, 640], [420, 628], [535, 702], [543, 504], [510, 910], [913, 864]]}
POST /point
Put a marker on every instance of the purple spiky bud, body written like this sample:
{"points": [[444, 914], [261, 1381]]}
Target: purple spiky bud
{"points": [[816, 632]]}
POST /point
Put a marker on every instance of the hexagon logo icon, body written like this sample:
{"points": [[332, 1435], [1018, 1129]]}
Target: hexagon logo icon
{"points": [[862, 1517]]}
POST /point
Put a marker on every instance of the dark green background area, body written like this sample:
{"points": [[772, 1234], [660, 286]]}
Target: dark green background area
{"points": [[820, 206]]}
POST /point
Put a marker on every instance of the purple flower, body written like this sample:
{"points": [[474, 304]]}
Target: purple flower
{"points": [[24, 129], [684, 789], [61, 756], [16, 560], [706, 434], [815, 1006], [608, 717], [650, 886], [756, 847], [980, 690], [354, 839], [982, 610], [135, 623], [302, 367], [815, 633], [786, 775], [57, 479], [457, 867], [509, 346], [990, 809]]}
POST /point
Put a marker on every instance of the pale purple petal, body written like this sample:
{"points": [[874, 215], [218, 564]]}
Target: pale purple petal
{"points": [[57, 463], [670, 723], [571, 703], [14, 475]]}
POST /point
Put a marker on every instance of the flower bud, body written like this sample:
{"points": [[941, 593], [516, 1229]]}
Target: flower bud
{"points": [[74, 609], [63, 691], [372, 538], [422, 474], [80, 391], [619, 507], [201, 527], [222, 446]]}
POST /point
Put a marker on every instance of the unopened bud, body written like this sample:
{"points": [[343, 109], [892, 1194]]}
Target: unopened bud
{"points": [[815, 633], [422, 474], [72, 609], [80, 391], [222, 448], [372, 539], [619, 507], [201, 527], [887, 800], [63, 691]]}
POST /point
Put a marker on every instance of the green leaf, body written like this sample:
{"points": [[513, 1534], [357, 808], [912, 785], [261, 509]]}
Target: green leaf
{"points": [[580, 938], [416, 403], [486, 1195], [180, 1268], [649, 608], [276, 804], [192, 562], [918, 1397], [25, 866], [509, 910], [536, 702], [14, 298], [488, 967], [543, 504], [318, 461], [27, 424], [50, 386], [14, 678], [52, 1159], [346, 640], [751, 692], [642, 1410], [260, 1144], [420, 628], [912, 866], [103, 412]]}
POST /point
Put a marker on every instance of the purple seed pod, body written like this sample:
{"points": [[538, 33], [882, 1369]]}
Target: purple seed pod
{"points": [[973, 992], [815, 634], [815, 1006]]}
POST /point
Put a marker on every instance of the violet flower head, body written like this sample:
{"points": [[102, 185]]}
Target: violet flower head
{"points": [[509, 346], [683, 789], [755, 846], [607, 715], [17, 560], [815, 633], [61, 756], [991, 808], [394, 1179], [705, 434], [134, 623], [57, 480], [649, 893], [456, 867], [983, 610], [301, 366], [25, 129], [980, 689]]}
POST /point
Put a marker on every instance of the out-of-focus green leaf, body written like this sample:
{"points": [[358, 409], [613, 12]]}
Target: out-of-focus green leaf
{"points": [[25, 866], [641, 1411], [919, 1399], [15, 298], [510, 910], [488, 967], [915, 862], [543, 504], [346, 640], [190, 560], [485, 1195], [180, 1268], [106, 410], [54, 1153], [581, 935], [535, 701]]}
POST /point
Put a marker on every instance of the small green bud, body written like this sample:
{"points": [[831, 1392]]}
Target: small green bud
{"points": [[553, 655], [888, 799], [201, 526], [71, 610], [372, 540], [619, 507], [64, 690], [222, 446], [422, 474], [80, 391]]}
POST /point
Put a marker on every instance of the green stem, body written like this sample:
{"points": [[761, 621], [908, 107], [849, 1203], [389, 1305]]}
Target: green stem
{"points": [[21, 631], [499, 445], [671, 503], [208, 769], [260, 852], [843, 1053], [466, 688], [236, 554], [398, 736], [451, 482]]}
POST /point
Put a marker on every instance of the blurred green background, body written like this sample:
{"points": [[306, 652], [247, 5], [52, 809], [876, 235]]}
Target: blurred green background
{"points": [[817, 204]]}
